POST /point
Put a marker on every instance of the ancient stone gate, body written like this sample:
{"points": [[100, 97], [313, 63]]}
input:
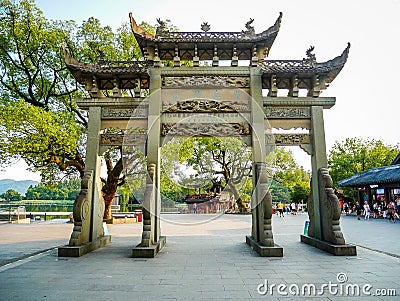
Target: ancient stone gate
{"points": [[207, 84]]}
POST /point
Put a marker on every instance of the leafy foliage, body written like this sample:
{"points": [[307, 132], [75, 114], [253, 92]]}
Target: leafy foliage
{"points": [[279, 192], [40, 121], [39, 136], [300, 192], [67, 190], [287, 170], [354, 155], [11, 196]]}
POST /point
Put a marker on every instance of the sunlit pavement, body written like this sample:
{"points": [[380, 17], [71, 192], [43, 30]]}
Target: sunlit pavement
{"points": [[205, 258]]}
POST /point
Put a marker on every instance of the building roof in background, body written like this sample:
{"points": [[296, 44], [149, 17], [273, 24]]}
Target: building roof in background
{"points": [[382, 175]]}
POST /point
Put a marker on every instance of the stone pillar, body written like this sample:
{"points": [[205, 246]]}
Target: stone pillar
{"points": [[258, 149], [323, 207], [318, 160], [88, 233], [93, 163], [152, 241], [261, 239]]}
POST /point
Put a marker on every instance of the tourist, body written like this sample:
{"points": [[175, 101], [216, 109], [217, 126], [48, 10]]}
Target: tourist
{"points": [[287, 208], [346, 208], [293, 207], [300, 208], [376, 210], [358, 210], [280, 209], [395, 215], [398, 204], [367, 211], [390, 212]]}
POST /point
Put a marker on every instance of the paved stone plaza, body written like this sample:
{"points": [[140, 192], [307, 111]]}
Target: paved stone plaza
{"points": [[205, 258]]}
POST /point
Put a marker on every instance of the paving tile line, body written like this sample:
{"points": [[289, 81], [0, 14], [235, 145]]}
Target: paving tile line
{"points": [[378, 251], [14, 262]]}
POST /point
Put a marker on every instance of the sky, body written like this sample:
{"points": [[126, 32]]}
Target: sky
{"points": [[366, 90]]}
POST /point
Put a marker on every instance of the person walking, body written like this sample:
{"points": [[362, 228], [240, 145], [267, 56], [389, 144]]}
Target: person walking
{"points": [[391, 211], [358, 210], [376, 210], [293, 207], [280, 209], [398, 204], [367, 211]]}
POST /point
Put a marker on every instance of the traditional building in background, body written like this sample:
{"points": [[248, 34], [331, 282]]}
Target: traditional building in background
{"points": [[380, 185]]}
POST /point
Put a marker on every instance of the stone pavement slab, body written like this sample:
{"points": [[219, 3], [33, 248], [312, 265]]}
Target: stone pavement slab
{"points": [[202, 260]]}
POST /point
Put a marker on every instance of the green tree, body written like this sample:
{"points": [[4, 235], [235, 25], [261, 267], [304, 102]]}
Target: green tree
{"points": [[354, 155], [11, 196], [279, 192], [287, 171], [36, 85], [300, 192], [213, 158], [66, 190]]}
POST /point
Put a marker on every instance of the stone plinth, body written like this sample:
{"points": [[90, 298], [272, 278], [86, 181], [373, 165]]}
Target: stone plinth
{"points": [[338, 250], [77, 251], [148, 252], [264, 251]]}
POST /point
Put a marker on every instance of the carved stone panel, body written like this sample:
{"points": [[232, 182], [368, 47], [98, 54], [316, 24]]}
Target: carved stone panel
{"points": [[120, 139], [296, 112], [124, 113], [205, 129], [205, 99], [190, 81], [206, 105], [287, 139]]}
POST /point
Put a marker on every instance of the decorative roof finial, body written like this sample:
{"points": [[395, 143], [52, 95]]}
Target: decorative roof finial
{"points": [[205, 26], [249, 29], [310, 55], [101, 55], [161, 28]]}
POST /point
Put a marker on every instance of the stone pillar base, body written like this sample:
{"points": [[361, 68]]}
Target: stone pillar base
{"points": [[77, 251], [264, 251], [148, 252], [338, 250]]}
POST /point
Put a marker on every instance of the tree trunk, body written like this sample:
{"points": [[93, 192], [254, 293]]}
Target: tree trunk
{"points": [[239, 200], [108, 199], [111, 185]]}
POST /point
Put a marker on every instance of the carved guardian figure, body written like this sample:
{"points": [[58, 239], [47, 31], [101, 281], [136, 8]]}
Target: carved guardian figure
{"points": [[330, 211], [81, 232]]}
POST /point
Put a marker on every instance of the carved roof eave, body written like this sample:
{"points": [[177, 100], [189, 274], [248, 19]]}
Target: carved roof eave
{"points": [[103, 69], [264, 39], [327, 71]]}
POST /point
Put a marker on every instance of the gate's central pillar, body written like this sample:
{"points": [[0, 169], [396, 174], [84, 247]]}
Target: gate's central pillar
{"points": [[88, 232], [261, 239], [152, 242], [324, 231]]}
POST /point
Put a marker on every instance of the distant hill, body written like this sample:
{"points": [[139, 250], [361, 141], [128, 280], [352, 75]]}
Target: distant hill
{"points": [[19, 186]]}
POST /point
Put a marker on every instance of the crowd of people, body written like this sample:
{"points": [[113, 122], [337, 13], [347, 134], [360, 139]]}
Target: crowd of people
{"points": [[380, 209], [292, 208]]}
